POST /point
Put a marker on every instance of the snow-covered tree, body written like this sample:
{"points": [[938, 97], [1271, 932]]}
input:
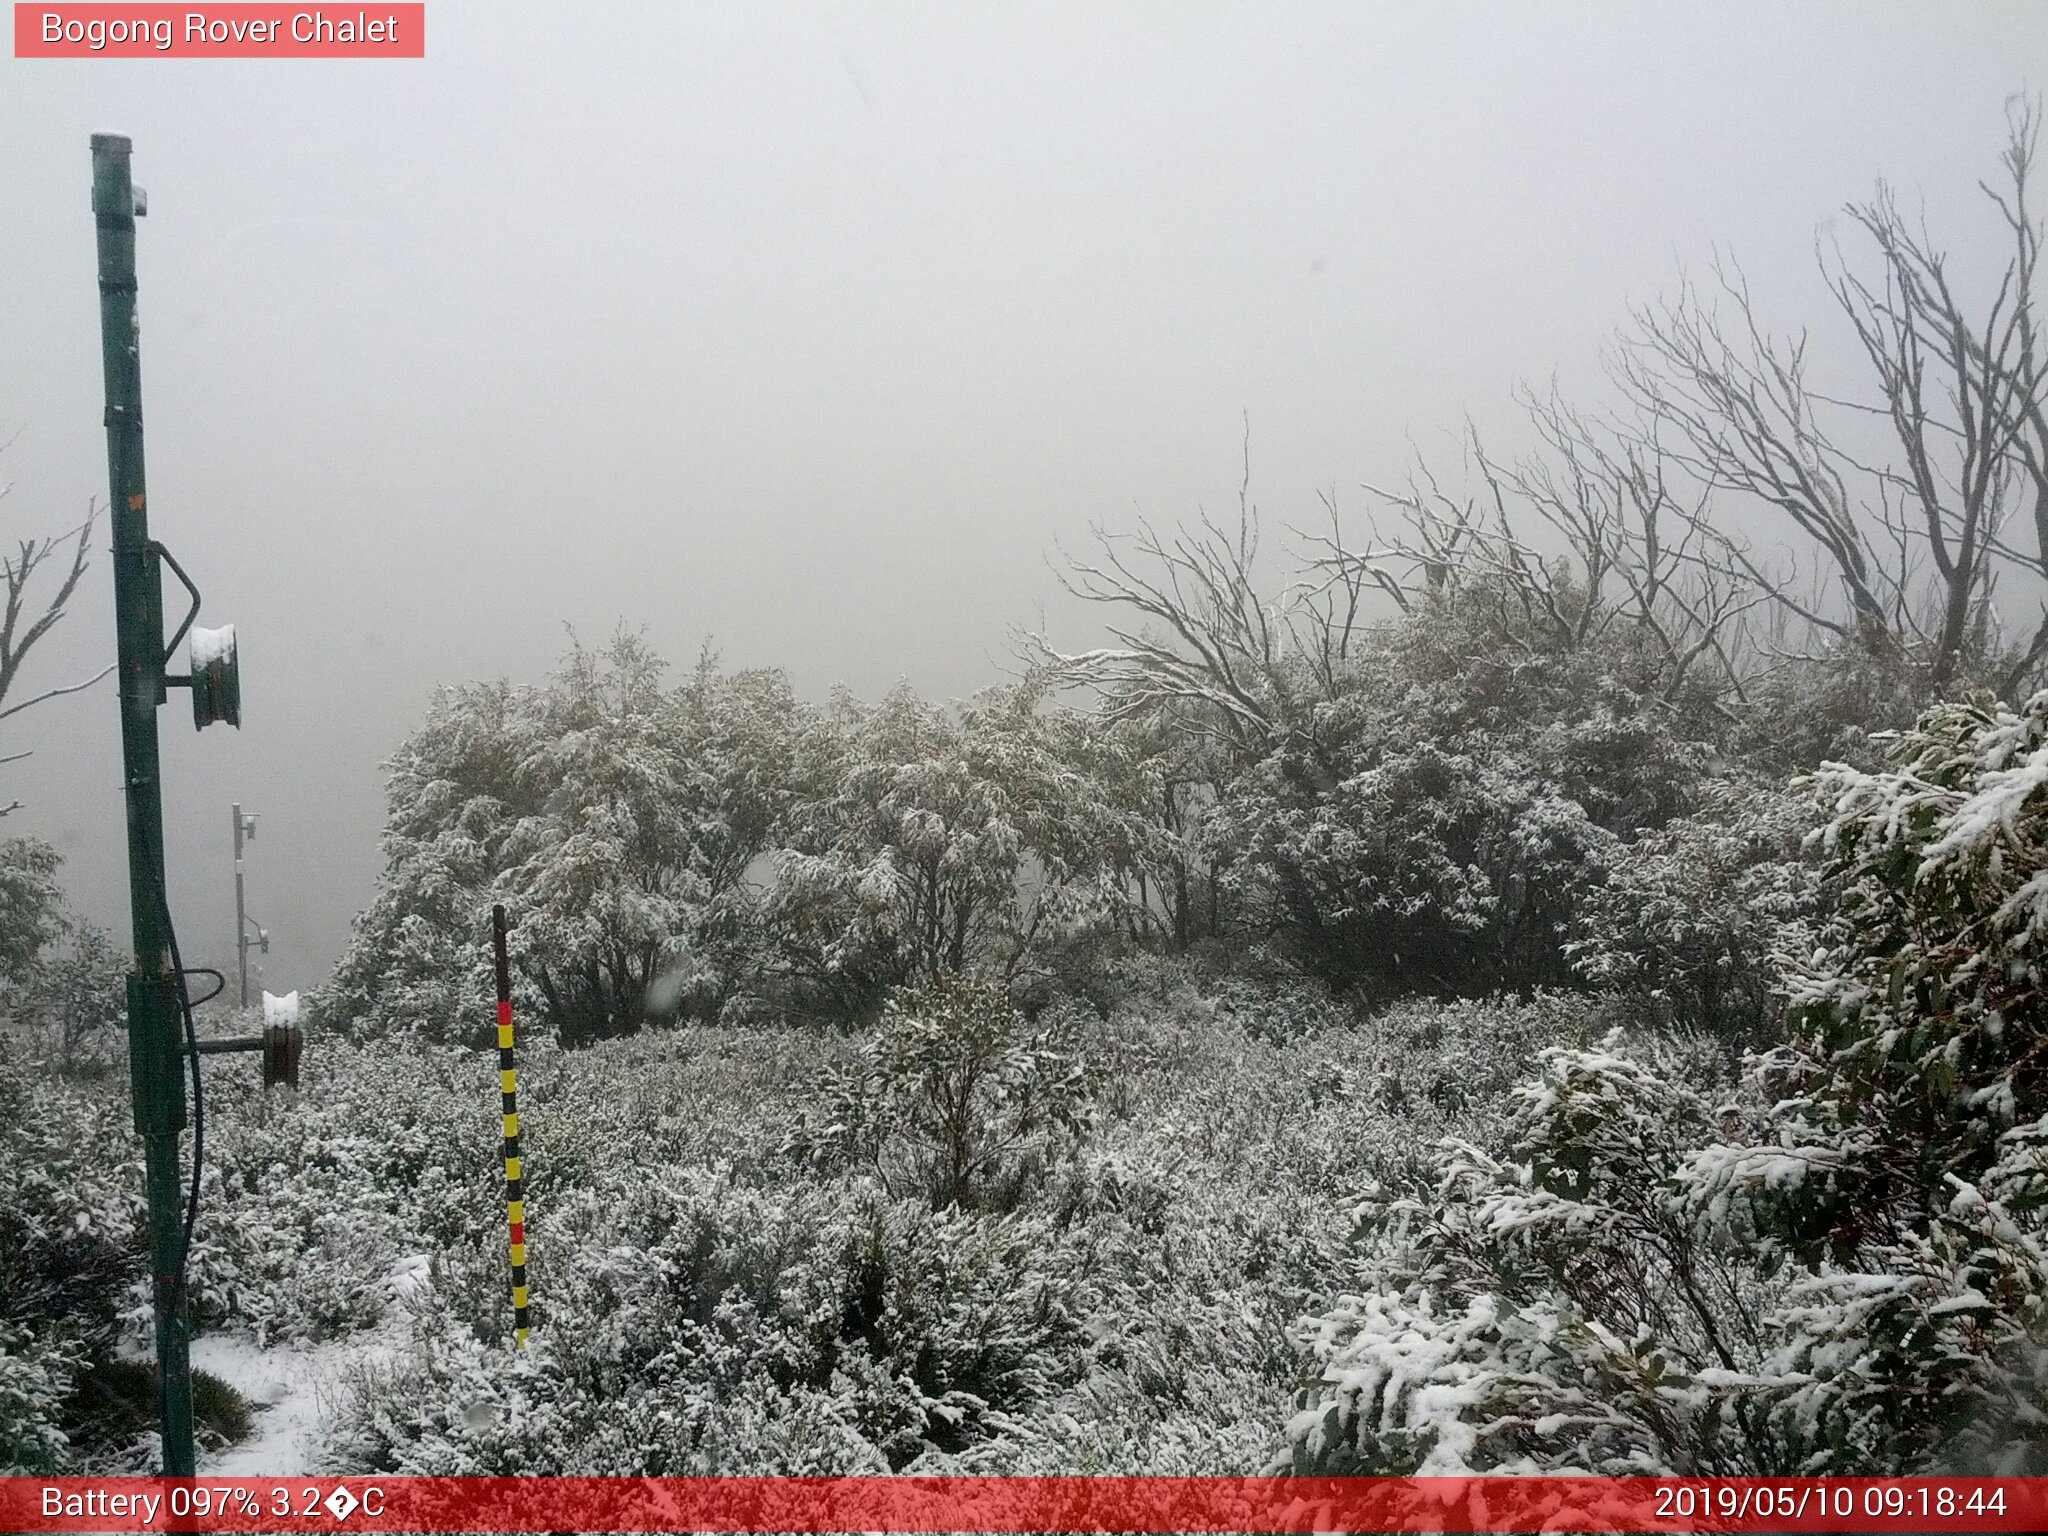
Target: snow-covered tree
{"points": [[615, 818], [939, 842], [1442, 817], [32, 910], [417, 960], [628, 888]]}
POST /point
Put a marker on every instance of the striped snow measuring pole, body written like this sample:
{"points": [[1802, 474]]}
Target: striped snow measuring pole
{"points": [[508, 1085]]}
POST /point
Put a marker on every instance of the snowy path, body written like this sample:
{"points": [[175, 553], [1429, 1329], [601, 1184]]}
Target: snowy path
{"points": [[292, 1387]]}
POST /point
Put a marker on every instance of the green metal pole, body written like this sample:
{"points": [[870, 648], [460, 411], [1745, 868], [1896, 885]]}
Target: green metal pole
{"points": [[153, 1017]]}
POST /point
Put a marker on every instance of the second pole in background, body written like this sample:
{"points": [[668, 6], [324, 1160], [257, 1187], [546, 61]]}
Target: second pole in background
{"points": [[245, 828], [508, 1086]]}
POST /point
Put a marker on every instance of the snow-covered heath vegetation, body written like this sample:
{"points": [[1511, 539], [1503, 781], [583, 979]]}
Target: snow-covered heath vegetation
{"points": [[1538, 994]]}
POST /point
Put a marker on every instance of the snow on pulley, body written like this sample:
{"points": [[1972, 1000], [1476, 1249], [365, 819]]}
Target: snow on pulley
{"points": [[216, 677]]}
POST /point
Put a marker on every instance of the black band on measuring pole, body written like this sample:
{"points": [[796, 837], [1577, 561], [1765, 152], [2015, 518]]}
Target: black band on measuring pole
{"points": [[498, 956]]}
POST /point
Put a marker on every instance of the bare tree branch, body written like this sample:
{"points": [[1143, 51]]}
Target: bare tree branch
{"points": [[53, 693], [22, 624]]}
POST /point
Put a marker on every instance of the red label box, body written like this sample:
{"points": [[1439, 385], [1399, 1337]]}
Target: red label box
{"points": [[372, 31]]}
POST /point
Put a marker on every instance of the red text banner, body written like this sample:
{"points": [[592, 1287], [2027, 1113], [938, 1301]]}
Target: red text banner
{"points": [[1118, 1504], [375, 31]]}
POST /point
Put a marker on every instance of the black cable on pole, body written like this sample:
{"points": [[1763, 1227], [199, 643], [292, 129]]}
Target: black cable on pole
{"points": [[192, 1055], [220, 983]]}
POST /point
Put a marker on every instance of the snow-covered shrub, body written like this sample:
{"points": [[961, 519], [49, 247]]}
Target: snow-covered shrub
{"points": [[1838, 705], [1907, 1175], [953, 1097], [693, 1325], [1435, 825], [1460, 1059], [1693, 913], [705, 1302], [310, 1200], [1279, 1007], [1553, 1308], [37, 1379], [1842, 1272], [70, 1253], [70, 1213]]}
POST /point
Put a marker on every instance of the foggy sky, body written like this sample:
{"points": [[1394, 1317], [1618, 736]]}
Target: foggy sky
{"points": [[810, 329]]}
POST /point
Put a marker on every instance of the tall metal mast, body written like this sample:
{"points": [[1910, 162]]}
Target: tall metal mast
{"points": [[245, 830], [153, 1010]]}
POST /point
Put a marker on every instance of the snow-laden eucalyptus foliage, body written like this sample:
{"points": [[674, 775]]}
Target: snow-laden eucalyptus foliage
{"points": [[1841, 1271], [936, 842], [680, 852], [615, 818], [1436, 822]]}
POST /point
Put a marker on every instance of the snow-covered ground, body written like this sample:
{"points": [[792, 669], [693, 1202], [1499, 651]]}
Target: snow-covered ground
{"points": [[291, 1388], [286, 1388]]}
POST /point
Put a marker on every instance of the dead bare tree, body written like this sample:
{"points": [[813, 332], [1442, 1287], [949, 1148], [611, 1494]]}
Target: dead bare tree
{"points": [[1207, 642], [1233, 666], [25, 619], [1964, 400], [1915, 541], [1586, 536], [1649, 559], [1207, 675], [1737, 413]]}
